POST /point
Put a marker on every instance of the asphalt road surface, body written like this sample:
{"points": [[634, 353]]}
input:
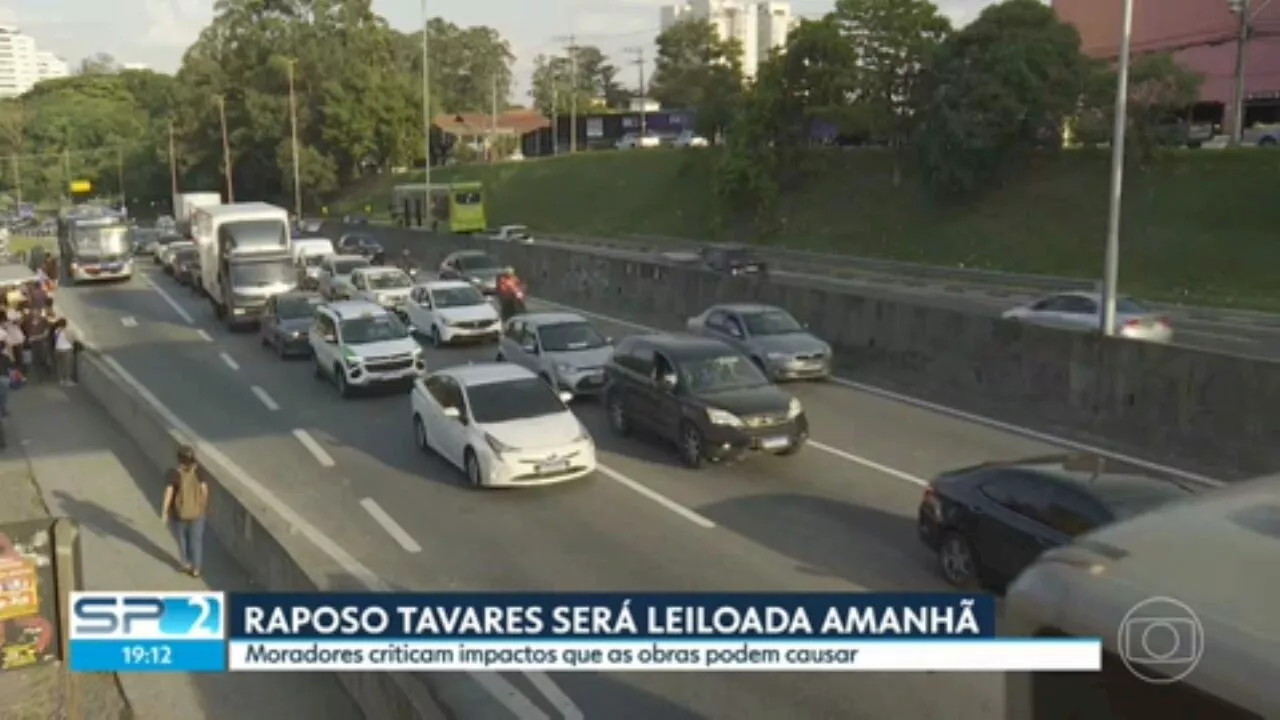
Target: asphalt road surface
{"points": [[1232, 336], [837, 517]]}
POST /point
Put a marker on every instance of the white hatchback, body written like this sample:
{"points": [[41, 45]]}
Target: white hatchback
{"points": [[501, 425], [451, 311]]}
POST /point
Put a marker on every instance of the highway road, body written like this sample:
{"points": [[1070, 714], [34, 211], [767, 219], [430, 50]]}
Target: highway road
{"points": [[1235, 335], [839, 516]]}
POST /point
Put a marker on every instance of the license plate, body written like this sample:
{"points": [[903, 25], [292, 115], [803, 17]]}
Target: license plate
{"points": [[775, 443], [554, 467]]}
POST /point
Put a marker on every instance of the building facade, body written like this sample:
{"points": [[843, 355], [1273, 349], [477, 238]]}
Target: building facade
{"points": [[1201, 36], [22, 65], [759, 27], [50, 66]]}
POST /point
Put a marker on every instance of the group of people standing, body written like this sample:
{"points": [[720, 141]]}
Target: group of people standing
{"points": [[36, 343]]}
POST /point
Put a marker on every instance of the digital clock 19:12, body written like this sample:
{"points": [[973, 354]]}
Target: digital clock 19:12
{"points": [[148, 655]]}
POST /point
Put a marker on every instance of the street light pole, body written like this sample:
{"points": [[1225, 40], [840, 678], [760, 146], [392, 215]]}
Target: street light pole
{"points": [[293, 127], [426, 120], [1238, 91], [226, 148], [1111, 270]]}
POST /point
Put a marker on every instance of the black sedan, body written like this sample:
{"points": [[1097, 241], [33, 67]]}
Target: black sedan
{"points": [[186, 263], [364, 246], [286, 323], [733, 260], [989, 522]]}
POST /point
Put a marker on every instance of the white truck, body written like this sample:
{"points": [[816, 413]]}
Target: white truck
{"points": [[186, 204], [246, 258]]}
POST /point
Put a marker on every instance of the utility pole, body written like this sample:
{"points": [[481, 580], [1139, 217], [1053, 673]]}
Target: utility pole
{"points": [[555, 115], [1240, 7], [571, 47], [493, 118], [226, 148], [1111, 267], [638, 52], [17, 177], [173, 164], [66, 174], [124, 201], [293, 128], [426, 124]]}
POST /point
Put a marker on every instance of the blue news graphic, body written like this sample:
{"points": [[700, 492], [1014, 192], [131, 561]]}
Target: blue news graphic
{"points": [[147, 632], [605, 616]]}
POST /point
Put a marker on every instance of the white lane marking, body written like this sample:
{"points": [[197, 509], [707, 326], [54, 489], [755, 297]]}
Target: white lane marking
{"points": [[555, 696], [957, 414], [204, 336], [230, 361], [266, 399], [656, 496], [388, 523], [872, 464], [313, 446], [129, 321], [497, 687], [182, 312]]}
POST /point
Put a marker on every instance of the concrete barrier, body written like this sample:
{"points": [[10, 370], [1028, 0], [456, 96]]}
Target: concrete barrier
{"points": [[1206, 410], [273, 552]]}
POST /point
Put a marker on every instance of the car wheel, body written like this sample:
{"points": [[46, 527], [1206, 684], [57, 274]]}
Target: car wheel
{"points": [[475, 475], [618, 420], [420, 434], [691, 446], [340, 379], [436, 342], [957, 561]]}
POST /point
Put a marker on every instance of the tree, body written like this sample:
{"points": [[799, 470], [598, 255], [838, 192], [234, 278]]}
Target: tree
{"points": [[890, 41], [1160, 91], [1002, 86], [99, 64], [696, 69], [553, 87], [465, 62]]}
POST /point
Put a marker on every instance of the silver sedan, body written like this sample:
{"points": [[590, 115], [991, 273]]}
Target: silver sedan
{"points": [[774, 340], [1082, 311], [562, 348]]}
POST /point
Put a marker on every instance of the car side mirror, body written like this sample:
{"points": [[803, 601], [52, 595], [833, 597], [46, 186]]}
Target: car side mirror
{"points": [[453, 412], [566, 397], [667, 383], [531, 349]]}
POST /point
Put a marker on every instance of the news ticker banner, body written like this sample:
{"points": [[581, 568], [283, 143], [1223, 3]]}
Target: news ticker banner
{"points": [[451, 632]]}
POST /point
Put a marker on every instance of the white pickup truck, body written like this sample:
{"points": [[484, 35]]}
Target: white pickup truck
{"points": [[512, 233]]}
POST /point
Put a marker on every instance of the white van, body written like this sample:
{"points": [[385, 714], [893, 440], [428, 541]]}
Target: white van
{"points": [[245, 258], [308, 254], [1185, 601]]}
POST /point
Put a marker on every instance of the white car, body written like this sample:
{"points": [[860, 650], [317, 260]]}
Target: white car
{"points": [[501, 425], [385, 286], [357, 344], [334, 282], [690, 139], [631, 141], [450, 311], [513, 233], [166, 252]]}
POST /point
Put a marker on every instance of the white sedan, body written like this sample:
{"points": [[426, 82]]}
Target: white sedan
{"points": [[501, 425], [452, 311]]}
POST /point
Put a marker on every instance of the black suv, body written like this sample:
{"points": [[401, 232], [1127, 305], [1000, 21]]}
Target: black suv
{"points": [[701, 394], [733, 260]]}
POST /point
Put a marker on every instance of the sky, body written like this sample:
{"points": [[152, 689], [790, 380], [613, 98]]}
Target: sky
{"points": [[156, 32]]}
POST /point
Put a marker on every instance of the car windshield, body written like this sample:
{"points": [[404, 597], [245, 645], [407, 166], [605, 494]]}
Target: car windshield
{"points": [[1129, 307], [373, 328], [389, 281], [297, 307], [523, 399], [346, 267], [518, 231], [186, 255], [771, 322], [724, 372], [740, 256], [313, 260], [1127, 499], [456, 297], [477, 262], [569, 337], [261, 274]]}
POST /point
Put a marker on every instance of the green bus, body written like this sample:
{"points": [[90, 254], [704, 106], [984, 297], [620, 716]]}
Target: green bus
{"points": [[454, 207]]}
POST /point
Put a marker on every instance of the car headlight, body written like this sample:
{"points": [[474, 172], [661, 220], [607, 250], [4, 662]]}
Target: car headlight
{"points": [[497, 445], [350, 357], [794, 409], [723, 418]]}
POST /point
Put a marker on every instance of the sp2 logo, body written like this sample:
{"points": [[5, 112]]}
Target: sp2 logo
{"points": [[156, 616]]}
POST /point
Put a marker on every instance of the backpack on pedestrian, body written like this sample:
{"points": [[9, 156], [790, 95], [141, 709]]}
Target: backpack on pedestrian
{"points": [[188, 495]]}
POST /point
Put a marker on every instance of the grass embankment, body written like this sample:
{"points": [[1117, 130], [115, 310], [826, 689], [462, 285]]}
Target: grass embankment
{"points": [[1199, 227]]}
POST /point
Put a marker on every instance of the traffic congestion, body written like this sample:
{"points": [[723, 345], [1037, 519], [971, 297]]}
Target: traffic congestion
{"points": [[733, 430]]}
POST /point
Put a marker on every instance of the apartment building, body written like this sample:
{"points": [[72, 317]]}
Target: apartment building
{"points": [[757, 26], [22, 65], [50, 66]]}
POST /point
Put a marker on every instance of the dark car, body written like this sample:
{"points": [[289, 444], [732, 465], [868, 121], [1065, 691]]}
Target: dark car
{"points": [[702, 395], [286, 322], [474, 266], [733, 260], [989, 522], [185, 264], [364, 246]]}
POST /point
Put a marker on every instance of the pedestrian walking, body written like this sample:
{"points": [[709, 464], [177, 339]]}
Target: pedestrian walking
{"points": [[39, 340], [64, 352], [186, 498]]}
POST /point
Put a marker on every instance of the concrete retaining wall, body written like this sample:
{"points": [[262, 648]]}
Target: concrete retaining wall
{"points": [[1211, 411], [275, 555]]}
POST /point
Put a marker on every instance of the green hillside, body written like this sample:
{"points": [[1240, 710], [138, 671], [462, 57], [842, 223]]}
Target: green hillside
{"points": [[1199, 226]]}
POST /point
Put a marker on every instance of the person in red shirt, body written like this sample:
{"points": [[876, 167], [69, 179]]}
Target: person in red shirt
{"points": [[510, 294]]}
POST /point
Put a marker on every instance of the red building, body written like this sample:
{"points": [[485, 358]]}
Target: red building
{"points": [[1201, 35]]}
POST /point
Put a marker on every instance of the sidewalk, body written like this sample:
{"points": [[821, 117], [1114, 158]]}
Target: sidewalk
{"points": [[88, 470]]}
